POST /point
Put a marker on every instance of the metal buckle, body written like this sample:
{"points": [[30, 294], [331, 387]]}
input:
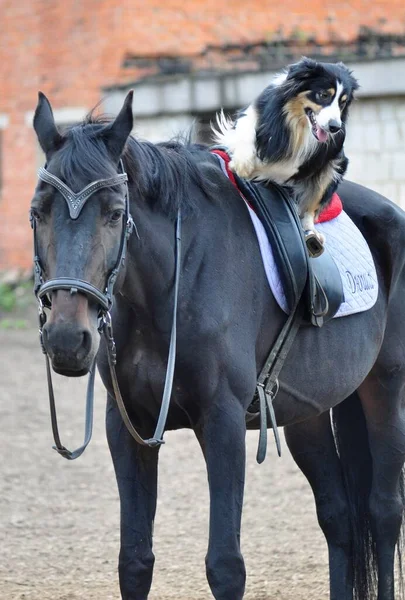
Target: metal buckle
{"points": [[105, 325], [272, 393], [314, 245], [42, 321]]}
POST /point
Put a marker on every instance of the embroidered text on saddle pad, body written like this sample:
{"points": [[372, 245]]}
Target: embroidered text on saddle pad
{"points": [[351, 254]]}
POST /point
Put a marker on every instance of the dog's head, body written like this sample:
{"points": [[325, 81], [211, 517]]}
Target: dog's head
{"points": [[318, 95]]}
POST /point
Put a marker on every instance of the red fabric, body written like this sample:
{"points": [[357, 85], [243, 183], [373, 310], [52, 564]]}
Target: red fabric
{"points": [[227, 160], [330, 212]]}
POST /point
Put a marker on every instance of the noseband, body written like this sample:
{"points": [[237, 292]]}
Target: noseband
{"points": [[104, 300]]}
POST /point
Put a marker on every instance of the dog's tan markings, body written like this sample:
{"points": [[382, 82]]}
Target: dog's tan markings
{"points": [[296, 121], [313, 207], [331, 91], [296, 118], [343, 98]]}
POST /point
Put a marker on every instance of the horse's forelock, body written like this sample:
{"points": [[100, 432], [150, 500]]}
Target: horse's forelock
{"points": [[83, 157]]}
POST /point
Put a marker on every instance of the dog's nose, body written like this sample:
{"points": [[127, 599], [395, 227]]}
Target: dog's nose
{"points": [[334, 126]]}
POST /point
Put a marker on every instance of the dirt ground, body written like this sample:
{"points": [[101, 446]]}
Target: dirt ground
{"points": [[59, 527]]}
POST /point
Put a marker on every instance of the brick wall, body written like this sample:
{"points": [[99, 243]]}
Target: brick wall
{"points": [[49, 46]]}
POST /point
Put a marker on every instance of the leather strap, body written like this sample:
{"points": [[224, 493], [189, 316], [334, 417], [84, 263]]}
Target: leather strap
{"points": [[268, 379], [75, 285], [76, 201], [88, 429], [157, 438]]}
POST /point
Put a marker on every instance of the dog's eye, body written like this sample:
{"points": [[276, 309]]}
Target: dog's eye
{"points": [[323, 95]]}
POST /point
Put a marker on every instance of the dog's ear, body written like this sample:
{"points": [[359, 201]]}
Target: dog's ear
{"points": [[349, 73], [302, 70]]}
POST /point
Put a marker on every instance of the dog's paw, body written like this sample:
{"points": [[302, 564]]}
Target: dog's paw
{"points": [[320, 236], [243, 164]]}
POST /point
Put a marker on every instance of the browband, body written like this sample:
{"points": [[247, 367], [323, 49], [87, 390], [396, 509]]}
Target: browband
{"points": [[77, 201]]}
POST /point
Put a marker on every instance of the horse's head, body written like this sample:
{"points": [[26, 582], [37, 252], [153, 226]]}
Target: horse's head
{"points": [[80, 218]]}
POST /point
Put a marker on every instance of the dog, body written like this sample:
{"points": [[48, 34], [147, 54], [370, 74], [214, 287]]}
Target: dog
{"points": [[293, 134]]}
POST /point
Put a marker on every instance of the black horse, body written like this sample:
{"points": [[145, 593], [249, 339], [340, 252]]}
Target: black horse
{"points": [[227, 321]]}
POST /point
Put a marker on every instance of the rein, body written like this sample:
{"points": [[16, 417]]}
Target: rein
{"points": [[104, 300]]}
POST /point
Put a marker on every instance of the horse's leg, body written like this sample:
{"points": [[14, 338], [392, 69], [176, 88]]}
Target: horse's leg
{"points": [[136, 472], [382, 398], [222, 438], [312, 445]]}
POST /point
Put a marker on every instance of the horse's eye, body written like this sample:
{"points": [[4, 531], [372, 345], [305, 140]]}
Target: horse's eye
{"points": [[34, 215], [116, 216]]}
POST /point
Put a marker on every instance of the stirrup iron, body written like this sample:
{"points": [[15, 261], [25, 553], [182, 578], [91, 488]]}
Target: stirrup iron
{"points": [[314, 245]]}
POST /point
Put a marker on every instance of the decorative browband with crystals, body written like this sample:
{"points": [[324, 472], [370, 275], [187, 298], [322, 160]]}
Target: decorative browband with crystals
{"points": [[77, 201]]}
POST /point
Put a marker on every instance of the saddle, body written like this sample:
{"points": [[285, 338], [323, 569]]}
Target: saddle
{"points": [[306, 279], [317, 280]]}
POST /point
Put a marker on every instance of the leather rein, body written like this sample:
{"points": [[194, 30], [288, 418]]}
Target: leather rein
{"points": [[104, 300]]}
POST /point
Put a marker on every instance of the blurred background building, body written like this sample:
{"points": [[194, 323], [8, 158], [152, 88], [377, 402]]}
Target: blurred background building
{"points": [[185, 61]]}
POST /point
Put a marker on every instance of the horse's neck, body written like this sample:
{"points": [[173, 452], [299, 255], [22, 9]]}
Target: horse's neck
{"points": [[151, 261]]}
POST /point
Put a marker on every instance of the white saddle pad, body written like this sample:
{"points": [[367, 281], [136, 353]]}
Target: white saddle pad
{"points": [[351, 254]]}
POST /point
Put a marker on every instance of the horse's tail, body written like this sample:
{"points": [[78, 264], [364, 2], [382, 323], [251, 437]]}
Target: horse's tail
{"points": [[352, 445]]}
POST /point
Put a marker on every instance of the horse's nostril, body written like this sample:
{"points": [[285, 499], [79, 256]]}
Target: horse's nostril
{"points": [[85, 346]]}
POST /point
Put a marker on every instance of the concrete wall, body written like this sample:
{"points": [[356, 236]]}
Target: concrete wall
{"points": [[375, 145]]}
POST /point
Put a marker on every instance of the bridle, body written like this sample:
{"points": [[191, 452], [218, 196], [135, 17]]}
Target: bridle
{"points": [[104, 301], [75, 204]]}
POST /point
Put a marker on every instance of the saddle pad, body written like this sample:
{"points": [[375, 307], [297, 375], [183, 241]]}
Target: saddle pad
{"points": [[351, 254]]}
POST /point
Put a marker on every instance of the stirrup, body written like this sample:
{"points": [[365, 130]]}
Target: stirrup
{"points": [[314, 245]]}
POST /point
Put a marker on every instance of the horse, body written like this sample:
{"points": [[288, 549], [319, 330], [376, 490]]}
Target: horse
{"points": [[341, 390]]}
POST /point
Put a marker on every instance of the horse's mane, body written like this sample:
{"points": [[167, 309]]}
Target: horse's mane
{"points": [[162, 173]]}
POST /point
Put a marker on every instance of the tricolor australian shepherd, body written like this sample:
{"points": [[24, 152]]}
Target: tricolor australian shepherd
{"points": [[293, 134]]}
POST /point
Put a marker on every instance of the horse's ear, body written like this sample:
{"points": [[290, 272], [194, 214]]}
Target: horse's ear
{"points": [[45, 126], [116, 134]]}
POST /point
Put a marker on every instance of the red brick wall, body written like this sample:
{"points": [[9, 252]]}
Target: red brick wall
{"points": [[49, 46], [70, 49]]}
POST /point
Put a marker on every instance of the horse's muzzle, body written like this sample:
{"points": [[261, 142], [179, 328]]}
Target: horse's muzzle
{"points": [[69, 347], [70, 337]]}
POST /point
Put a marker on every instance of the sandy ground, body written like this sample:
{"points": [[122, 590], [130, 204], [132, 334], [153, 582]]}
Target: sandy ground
{"points": [[59, 526]]}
